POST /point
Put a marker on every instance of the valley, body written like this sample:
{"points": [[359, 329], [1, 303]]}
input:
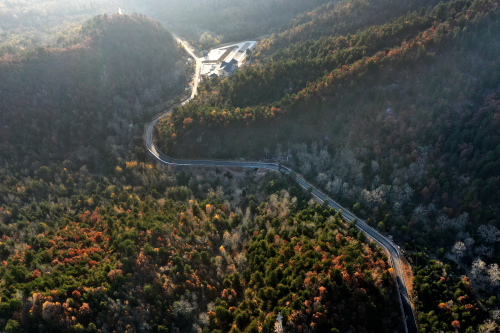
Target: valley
{"points": [[338, 173], [391, 249]]}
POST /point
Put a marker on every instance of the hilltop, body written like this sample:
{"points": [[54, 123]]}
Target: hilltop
{"points": [[86, 100]]}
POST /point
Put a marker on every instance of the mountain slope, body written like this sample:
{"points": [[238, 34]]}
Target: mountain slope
{"points": [[61, 103], [398, 121], [231, 19], [340, 18], [110, 255]]}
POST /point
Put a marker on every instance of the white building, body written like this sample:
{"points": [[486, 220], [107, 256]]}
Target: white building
{"points": [[225, 60]]}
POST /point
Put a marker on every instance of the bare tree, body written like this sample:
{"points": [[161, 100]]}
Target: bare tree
{"points": [[489, 326], [487, 276], [478, 270], [494, 275], [241, 261], [204, 319], [495, 314], [469, 242], [484, 250], [489, 233], [421, 212], [322, 179], [459, 250], [228, 241], [443, 222]]}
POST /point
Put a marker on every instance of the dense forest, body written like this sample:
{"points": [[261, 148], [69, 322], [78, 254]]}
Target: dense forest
{"points": [[211, 22], [95, 238], [16, 14], [29, 24], [397, 120], [137, 254], [339, 18], [394, 115], [87, 101]]}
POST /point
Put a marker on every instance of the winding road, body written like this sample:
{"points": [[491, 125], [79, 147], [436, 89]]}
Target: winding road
{"points": [[392, 250]]}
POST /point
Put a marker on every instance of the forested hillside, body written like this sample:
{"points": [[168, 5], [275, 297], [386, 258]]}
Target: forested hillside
{"points": [[210, 22], [340, 18], [92, 243], [36, 13], [397, 120], [88, 100], [137, 254], [29, 24], [391, 107]]}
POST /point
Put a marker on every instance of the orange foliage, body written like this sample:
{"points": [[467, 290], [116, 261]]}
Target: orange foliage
{"points": [[131, 165], [319, 318], [211, 292], [36, 273], [85, 310], [190, 285], [114, 273]]}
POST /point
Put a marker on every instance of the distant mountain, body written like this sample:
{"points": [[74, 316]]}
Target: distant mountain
{"points": [[231, 19], [76, 102]]}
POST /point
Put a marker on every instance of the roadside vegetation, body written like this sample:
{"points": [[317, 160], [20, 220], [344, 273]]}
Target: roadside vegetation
{"points": [[396, 120], [446, 301]]}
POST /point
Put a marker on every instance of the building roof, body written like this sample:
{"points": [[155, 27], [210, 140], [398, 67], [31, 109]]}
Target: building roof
{"points": [[223, 61], [228, 66]]}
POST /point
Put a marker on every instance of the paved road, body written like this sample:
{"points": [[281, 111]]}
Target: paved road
{"points": [[392, 250], [189, 50]]}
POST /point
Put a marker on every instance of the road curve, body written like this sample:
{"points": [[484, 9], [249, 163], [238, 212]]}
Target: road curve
{"points": [[392, 250]]}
